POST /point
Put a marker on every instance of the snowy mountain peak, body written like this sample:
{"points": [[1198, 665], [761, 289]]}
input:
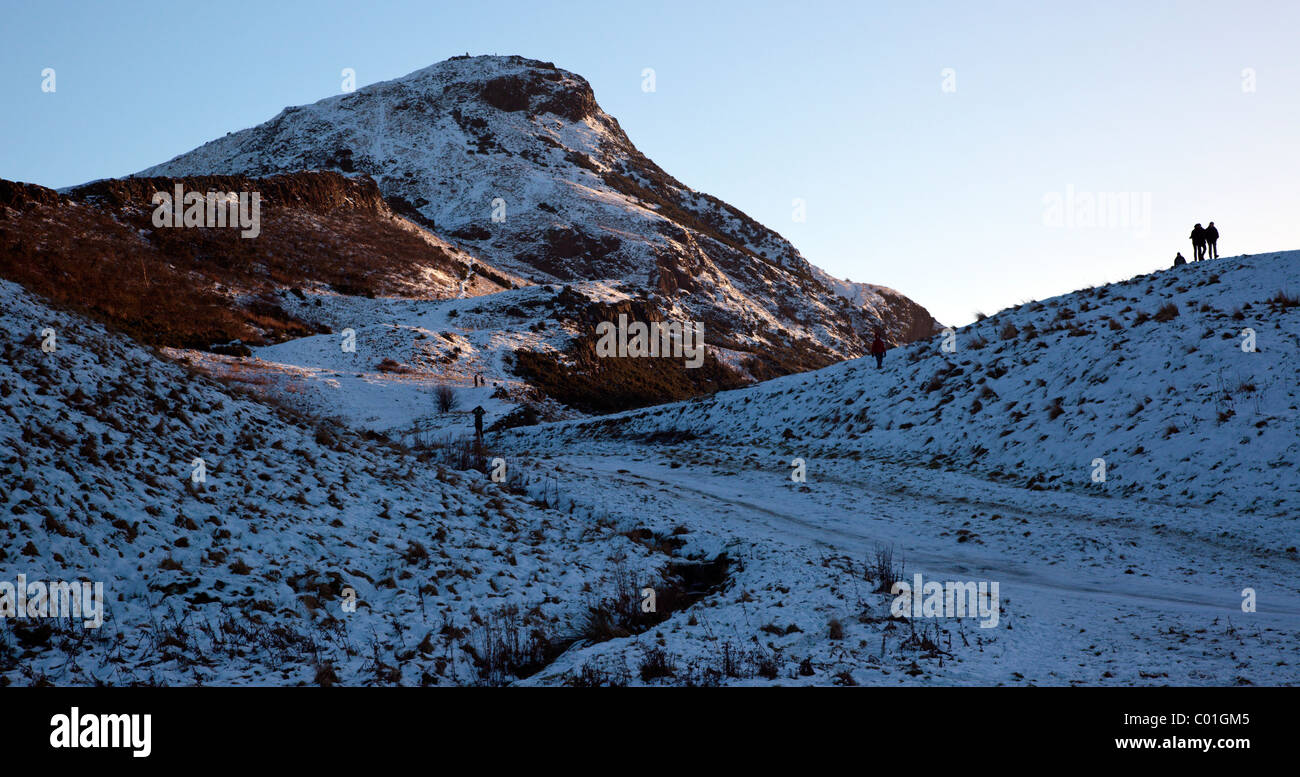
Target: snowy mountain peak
{"points": [[515, 161]]}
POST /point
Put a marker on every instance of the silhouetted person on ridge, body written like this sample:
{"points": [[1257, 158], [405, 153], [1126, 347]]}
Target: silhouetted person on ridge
{"points": [[1198, 241], [1212, 240], [1179, 261], [878, 350]]}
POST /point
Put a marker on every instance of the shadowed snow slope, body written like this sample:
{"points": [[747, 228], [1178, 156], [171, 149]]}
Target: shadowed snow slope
{"points": [[242, 578]]}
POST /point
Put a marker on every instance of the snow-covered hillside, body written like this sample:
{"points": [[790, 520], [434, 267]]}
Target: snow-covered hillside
{"points": [[759, 579], [244, 577], [401, 353], [240, 579], [514, 159], [1149, 375], [1180, 567]]}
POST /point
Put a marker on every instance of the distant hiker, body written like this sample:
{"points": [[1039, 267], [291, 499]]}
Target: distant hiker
{"points": [[1198, 241], [478, 424], [878, 350], [1212, 240], [1179, 261]]}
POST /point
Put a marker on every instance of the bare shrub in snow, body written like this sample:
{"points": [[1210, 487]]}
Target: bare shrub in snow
{"points": [[657, 663], [1284, 299], [1167, 312], [882, 570], [460, 453], [508, 646], [446, 398]]}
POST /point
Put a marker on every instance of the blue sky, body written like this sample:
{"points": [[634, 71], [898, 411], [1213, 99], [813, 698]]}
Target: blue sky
{"points": [[945, 195]]}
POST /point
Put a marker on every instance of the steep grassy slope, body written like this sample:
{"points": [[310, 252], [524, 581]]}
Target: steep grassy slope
{"points": [[96, 247]]}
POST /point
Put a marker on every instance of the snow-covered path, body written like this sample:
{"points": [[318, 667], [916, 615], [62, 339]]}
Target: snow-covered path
{"points": [[1088, 584]]}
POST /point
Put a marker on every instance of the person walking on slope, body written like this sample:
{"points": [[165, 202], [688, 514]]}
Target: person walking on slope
{"points": [[878, 350], [1198, 241], [1212, 240]]}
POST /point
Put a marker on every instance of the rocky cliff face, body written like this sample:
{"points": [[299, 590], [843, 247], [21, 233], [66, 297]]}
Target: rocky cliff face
{"points": [[514, 161]]}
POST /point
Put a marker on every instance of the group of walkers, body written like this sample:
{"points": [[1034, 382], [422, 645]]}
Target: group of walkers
{"points": [[1205, 244]]}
